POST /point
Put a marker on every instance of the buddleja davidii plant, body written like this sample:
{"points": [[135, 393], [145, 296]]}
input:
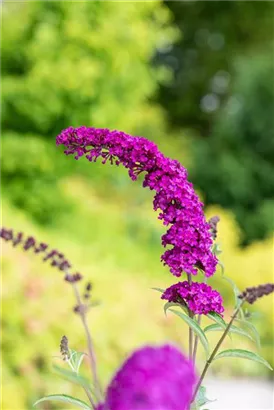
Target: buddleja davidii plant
{"points": [[190, 249], [196, 299], [189, 238]]}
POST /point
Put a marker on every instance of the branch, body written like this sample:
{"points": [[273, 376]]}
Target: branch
{"points": [[92, 361]]}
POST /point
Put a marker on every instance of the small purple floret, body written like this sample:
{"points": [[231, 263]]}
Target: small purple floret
{"points": [[198, 297], [152, 378], [188, 237]]}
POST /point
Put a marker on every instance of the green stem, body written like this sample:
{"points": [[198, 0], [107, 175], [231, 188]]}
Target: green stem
{"points": [[93, 366], [190, 331], [90, 398], [86, 390], [190, 337], [196, 340], [218, 345]]}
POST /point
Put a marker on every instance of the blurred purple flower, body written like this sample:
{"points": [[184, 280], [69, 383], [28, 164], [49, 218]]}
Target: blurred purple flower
{"points": [[213, 222], [189, 234], [251, 294], [53, 256], [152, 378], [198, 297]]}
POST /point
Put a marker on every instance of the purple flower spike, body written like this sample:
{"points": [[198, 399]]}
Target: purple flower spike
{"points": [[198, 297], [188, 237], [152, 378]]}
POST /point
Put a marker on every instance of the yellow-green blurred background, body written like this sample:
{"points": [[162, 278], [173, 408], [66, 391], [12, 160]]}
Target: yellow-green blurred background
{"points": [[196, 78]]}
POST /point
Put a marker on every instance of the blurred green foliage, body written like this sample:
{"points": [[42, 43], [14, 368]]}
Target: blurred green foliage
{"points": [[202, 60], [223, 92], [82, 63], [241, 147], [31, 171]]}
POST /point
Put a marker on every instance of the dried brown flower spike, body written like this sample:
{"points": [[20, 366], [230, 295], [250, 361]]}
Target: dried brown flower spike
{"points": [[64, 349], [213, 222], [253, 293]]}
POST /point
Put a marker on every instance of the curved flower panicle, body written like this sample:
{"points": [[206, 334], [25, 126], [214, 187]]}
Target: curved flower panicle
{"points": [[188, 236], [152, 378], [198, 297]]}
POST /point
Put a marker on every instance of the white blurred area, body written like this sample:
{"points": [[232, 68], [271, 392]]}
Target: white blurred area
{"points": [[240, 394]]}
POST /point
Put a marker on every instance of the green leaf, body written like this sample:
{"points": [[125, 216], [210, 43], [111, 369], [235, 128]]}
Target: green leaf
{"points": [[172, 304], [64, 398], [243, 354], [217, 318], [76, 359], [253, 330], [196, 329], [236, 292], [215, 327], [201, 398], [158, 290], [249, 315], [168, 305], [233, 329], [216, 250], [222, 266], [234, 287], [71, 376]]}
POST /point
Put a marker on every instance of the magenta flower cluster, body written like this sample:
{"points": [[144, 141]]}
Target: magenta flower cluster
{"points": [[188, 237], [197, 297], [152, 378]]}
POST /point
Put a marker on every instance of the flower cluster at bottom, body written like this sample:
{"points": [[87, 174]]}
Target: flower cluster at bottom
{"points": [[152, 378], [197, 297]]}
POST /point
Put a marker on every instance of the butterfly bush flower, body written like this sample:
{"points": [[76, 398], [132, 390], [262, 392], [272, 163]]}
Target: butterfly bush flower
{"points": [[251, 294], [198, 297], [213, 222], [152, 378], [188, 237], [52, 256]]}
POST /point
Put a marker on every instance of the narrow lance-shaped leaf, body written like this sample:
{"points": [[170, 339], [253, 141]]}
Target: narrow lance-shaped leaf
{"points": [[233, 329], [236, 290], [65, 399], [217, 318], [71, 376], [249, 315], [253, 330], [201, 398], [243, 354], [172, 304], [222, 266], [158, 290], [216, 250], [76, 360], [234, 287], [196, 329]]}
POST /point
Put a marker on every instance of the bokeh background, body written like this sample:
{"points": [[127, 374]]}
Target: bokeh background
{"points": [[196, 78]]}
